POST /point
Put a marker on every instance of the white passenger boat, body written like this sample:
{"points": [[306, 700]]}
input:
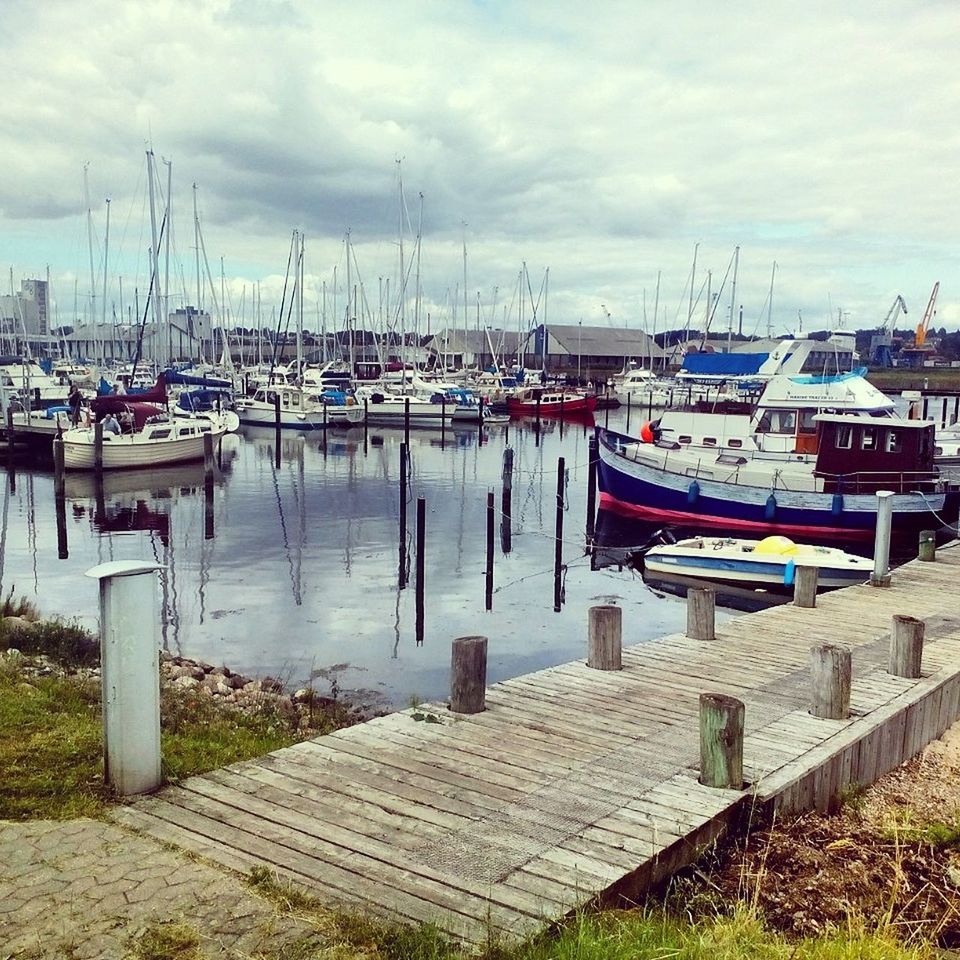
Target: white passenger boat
{"points": [[160, 440], [768, 563]]}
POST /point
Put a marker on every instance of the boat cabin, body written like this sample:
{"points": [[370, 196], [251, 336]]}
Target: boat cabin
{"points": [[867, 454]]}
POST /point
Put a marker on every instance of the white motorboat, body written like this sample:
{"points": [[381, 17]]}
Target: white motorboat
{"points": [[300, 408], [769, 563], [384, 407], [159, 440]]}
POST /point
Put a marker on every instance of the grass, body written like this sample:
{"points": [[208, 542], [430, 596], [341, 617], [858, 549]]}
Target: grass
{"points": [[51, 743], [67, 643], [168, 941], [21, 607]]}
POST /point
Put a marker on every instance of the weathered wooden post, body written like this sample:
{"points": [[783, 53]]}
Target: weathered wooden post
{"points": [[406, 420], [403, 516], [629, 404], [561, 415], [721, 741], [830, 674], [488, 587], [207, 486], [701, 613], [421, 547], [592, 490], [928, 546], [605, 637], [506, 502], [59, 483], [881, 548], [906, 646], [98, 447], [805, 586], [468, 675], [130, 674], [10, 432], [480, 424], [538, 416], [276, 429], [558, 541], [59, 498]]}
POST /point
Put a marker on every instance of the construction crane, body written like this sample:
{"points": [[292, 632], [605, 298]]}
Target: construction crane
{"points": [[915, 355], [880, 343]]}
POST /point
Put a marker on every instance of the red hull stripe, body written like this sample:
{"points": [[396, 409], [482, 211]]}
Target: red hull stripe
{"points": [[701, 520], [572, 406]]}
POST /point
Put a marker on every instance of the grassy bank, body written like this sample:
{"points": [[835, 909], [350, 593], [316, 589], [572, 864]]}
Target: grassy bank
{"points": [[895, 380]]}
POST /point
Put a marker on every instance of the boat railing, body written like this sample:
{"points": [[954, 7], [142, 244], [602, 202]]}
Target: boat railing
{"points": [[870, 481]]}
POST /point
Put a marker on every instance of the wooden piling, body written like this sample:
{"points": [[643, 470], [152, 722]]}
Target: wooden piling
{"points": [[592, 490], [276, 429], [830, 675], [208, 486], [605, 637], [421, 546], [59, 485], [59, 496], [629, 406], [721, 741], [406, 420], [805, 586], [208, 455], [906, 647], [506, 502], [538, 416], [558, 541], [98, 447], [928, 546], [701, 613], [402, 579], [488, 588], [468, 675], [10, 432]]}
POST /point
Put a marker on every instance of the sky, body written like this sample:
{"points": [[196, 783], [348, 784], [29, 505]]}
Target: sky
{"points": [[598, 144]]}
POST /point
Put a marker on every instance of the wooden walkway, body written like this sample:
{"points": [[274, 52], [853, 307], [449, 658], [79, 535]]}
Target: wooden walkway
{"points": [[574, 784]]}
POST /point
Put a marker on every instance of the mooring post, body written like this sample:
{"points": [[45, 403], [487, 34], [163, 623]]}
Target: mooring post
{"points": [[830, 674], [605, 637], [10, 431], [208, 486], [276, 429], [805, 586], [366, 415], [98, 447], [480, 421], [443, 417], [208, 456], [406, 420], [506, 502], [906, 646], [881, 548], [701, 613], [561, 416], [592, 455], [130, 674], [629, 404], [928, 546], [558, 540], [403, 516], [721, 741], [59, 496], [488, 579], [59, 482], [538, 416], [421, 546], [468, 675]]}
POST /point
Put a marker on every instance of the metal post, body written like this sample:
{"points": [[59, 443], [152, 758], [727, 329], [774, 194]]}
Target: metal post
{"points": [[558, 542], [881, 549], [130, 674]]}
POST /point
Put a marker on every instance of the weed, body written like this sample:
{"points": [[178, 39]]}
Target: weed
{"points": [[168, 941], [853, 795], [18, 608], [68, 643]]}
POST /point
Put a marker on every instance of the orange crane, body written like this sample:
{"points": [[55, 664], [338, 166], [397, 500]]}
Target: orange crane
{"points": [[920, 340]]}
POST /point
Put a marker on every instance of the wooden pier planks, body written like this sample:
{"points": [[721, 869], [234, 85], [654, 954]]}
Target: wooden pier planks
{"points": [[575, 784]]}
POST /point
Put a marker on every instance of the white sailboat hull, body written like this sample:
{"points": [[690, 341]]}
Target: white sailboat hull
{"points": [[132, 450]]}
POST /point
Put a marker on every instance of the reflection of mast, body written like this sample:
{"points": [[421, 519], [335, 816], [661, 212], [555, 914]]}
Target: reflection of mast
{"points": [[283, 530], [3, 528], [32, 530]]}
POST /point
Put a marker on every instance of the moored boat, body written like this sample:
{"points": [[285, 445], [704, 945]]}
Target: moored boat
{"points": [[769, 563], [550, 403]]}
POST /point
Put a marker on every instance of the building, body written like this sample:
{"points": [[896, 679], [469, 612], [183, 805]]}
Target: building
{"points": [[189, 335], [589, 351], [473, 348], [25, 313]]}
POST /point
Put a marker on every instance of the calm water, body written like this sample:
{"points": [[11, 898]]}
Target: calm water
{"points": [[301, 573]]}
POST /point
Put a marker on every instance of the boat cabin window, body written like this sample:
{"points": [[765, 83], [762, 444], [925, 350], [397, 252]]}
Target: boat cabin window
{"points": [[778, 421], [683, 439], [868, 439], [159, 434], [807, 423], [893, 441], [204, 427], [709, 441], [731, 460], [734, 443], [844, 437]]}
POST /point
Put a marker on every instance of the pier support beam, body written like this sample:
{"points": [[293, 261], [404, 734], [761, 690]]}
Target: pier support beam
{"points": [[130, 669], [906, 646], [721, 741], [805, 586], [830, 674], [605, 638], [701, 613], [468, 675]]}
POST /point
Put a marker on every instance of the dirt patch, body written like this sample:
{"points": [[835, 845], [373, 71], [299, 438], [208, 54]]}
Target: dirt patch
{"points": [[891, 857]]}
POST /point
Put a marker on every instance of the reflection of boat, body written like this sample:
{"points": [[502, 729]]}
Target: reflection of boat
{"points": [[550, 403], [157, 439], [833, 497], [156, 481], [770, 563]]}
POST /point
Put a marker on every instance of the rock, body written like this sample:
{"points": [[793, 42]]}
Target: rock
{"points": [[223, 688], [15, 624], [206, 667], [209, 684], [14, 654], [238, 682], [302, 695], [226, 671], [186, 683], [196, 672], [271, 685]]}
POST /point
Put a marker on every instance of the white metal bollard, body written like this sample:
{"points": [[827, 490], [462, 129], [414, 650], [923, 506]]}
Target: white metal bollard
{"points": [[881, 544], [129, 674]]}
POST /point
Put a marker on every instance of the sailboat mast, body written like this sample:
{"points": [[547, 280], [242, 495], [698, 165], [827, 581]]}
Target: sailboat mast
{"points": [[154, 258], [416, 313], [656, 310], [97, 353], [166, 266], [733, 296], [300, 312], [773, 273], [693, 279], [196, 244], [349, 321], [106, 249]]}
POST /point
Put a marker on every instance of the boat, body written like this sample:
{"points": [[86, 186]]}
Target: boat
{"points": [[383, 407], [768, 563], [540, 401], [831, 495], [300, 408], [155, 439]]}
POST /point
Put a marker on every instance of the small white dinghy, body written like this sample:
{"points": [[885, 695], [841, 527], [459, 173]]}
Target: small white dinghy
{"points": [[768, 563]]}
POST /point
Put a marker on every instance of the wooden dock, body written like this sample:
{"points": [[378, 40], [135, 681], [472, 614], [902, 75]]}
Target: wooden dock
{"points": [[575, 785]]}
